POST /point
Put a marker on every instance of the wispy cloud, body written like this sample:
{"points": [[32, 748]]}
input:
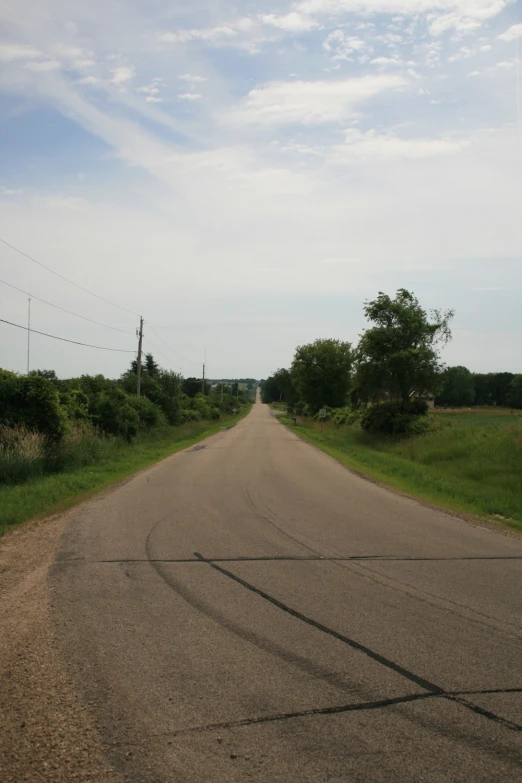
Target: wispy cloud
{"points": [[311, 103]]}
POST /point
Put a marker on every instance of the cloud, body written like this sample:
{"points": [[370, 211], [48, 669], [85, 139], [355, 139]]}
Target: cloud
{"points": [[153, 99], [7, 192], [189, 96], [190, 77], [342, 45], [208, 35], [292, 22], [383, 146], [43, 66], [12, 51], [280, 103], [122, 74], [515, 31], [88, 80], [463, 16]]}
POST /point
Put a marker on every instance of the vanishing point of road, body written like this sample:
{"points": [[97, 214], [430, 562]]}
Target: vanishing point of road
{"points": [[249, 610]]}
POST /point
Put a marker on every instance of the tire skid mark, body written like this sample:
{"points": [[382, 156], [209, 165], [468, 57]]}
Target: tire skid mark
{"points": [[431, 688]]}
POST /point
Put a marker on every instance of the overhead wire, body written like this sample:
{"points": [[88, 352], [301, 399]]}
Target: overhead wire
{"points": [[64, 339], [76, 285], [77, 315], [63, 309]]}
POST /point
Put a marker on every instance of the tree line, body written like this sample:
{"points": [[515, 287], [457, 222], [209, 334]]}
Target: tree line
{"points": [[49, 405], [387, 378]]}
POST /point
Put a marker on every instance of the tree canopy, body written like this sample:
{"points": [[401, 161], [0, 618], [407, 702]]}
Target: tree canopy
{"points": [[321, 373], [398, 356]]}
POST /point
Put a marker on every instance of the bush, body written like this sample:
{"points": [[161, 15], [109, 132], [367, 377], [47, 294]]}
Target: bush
{"points": [[82, 445], [344, 416], [189, 415], [127, 421], [32, 402], [150, 415], [393, 418]]}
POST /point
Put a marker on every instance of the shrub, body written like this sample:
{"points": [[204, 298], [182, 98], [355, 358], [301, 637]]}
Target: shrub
{"points": [[33, 402], [81, 445], [344, 416], [189, 415], [393, 418], [127, 421], [150, 415]]}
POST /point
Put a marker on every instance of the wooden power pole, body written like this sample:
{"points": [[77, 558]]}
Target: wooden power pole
{"points": [[203, 383], [140, 344]]}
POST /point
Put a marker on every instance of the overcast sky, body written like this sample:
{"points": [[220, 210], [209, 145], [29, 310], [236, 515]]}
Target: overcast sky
{"points": [[246, 174]]}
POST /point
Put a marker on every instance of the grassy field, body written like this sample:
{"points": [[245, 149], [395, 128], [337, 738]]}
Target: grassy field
{"points": [[60, 491], [471, 462]]}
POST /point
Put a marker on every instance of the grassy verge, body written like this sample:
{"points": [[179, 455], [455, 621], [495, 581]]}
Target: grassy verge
{"points": [[58, 492], [471, 463]]}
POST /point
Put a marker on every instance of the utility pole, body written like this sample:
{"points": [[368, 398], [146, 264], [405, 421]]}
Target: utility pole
{"points": [[140, 344], [28, 332], [203, 384]]}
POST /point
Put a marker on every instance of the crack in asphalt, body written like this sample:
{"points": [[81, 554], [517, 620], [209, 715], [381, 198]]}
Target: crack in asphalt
{"points": [[431, 688], [290, 559]]}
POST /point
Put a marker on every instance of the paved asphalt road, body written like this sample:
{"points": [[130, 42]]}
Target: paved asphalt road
{"points": [[250, 610]]}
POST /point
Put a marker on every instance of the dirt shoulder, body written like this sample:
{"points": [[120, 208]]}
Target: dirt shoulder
{"points": [[47, 733]]}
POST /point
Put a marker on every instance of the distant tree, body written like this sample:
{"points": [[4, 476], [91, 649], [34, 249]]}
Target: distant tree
{"points": [[515, 392], [492, 388], [150, 366], [193, 386], [279, 387], [398, 356], [457, 387], [321, 373], [49, 375]]}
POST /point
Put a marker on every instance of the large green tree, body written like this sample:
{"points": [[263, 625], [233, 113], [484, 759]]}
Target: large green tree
{"points": [[398, 356], [457, 387], [321, 373]]}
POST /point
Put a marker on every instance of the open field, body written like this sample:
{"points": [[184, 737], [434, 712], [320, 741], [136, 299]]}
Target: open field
{"points": [[471, 462], [58, 492]]}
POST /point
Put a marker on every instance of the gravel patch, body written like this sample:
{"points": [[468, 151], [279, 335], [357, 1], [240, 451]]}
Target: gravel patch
{"points": [[47, 733]]}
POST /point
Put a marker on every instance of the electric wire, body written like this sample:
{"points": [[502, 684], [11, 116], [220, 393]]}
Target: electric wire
{"points": [[63, 309], [64, 339], [86, 290]]}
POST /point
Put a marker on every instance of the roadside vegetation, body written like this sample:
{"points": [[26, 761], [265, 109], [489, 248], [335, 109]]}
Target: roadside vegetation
{"points": [[61, 440], [367, 406]]}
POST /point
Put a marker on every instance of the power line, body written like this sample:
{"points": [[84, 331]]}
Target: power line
{"points": [[86, 290], [191, 361], [64, 339], [63, 309]]}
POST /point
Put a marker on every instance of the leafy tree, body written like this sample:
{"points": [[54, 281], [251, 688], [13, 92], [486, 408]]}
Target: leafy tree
{"points": [[33, 401], [150, 366], [492, 388], [279, 387], [193, 386], [458, 387], [321, 373], [49, 375], [398, 356], [515, 392]]}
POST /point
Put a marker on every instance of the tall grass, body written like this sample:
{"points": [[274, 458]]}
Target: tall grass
{"points": [[467, 462], [26, 453]]}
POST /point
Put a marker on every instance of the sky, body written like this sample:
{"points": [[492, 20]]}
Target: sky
{"points": [[246, 175]]}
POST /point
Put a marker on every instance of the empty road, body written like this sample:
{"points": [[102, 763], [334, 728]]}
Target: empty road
{"points": [[249, 610]]}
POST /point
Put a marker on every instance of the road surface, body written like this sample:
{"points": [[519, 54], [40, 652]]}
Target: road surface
{"points": [[249, 610]]}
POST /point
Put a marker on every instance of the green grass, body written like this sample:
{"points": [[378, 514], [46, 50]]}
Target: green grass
{"points": [[57, 492], [470, 463]]}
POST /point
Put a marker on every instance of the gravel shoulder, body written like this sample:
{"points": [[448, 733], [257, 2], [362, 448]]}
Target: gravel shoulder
{"points": [[47, 733]]}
